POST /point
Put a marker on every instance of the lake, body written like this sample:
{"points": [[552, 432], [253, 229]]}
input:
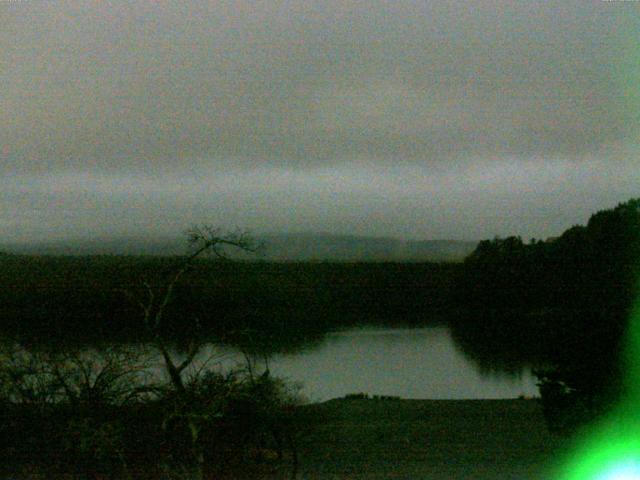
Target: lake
{"points": [[422, 363]]}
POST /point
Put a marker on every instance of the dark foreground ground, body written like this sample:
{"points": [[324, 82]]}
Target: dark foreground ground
{"points": [[427, 439], [404, 439]]}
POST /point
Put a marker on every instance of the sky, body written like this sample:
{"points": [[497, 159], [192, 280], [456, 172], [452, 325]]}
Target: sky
{"points": [[409, 119]]}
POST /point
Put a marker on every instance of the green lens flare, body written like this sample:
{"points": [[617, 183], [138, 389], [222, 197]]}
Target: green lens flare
{"points": [[610, 449], [613, 453], [623, 471]]}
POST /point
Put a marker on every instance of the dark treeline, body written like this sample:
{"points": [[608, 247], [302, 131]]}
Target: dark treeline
{"points": [[96, 297], [73, 411], [563, 304]]}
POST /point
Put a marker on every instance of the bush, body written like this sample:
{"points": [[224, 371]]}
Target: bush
{"points": [[75, 414], [229, 421]]}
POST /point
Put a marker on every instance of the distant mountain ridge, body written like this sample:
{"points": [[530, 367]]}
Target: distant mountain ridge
{"points": [[275, 247], [319, 247]]}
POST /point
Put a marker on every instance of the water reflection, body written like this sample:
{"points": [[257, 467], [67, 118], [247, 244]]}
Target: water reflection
{"points": [[407, 362], [410, 363]]}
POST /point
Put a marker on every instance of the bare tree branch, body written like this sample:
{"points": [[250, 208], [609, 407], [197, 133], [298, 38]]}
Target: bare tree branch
{"points": [[204, 239]]}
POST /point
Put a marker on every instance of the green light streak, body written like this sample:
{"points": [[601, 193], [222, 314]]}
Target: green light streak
{"points": [[610, 449]]}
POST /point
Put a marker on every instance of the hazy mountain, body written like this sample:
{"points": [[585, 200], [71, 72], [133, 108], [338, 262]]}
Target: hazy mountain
{"points": [[274, 247], [318, 247]]}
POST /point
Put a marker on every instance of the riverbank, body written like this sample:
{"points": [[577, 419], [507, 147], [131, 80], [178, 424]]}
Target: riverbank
{"points": [[427, 439]]}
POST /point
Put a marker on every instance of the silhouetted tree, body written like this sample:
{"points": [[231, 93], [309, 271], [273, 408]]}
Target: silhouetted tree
{"points": [[563, 303], [204, 240]]}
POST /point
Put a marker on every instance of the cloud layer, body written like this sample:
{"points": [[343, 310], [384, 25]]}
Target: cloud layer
{"points": [[177, 90]]}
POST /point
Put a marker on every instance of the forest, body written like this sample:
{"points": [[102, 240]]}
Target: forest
{"points": [[562, 304]]}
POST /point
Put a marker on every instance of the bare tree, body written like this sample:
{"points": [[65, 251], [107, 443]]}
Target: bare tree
{"points": [[203, 240]]}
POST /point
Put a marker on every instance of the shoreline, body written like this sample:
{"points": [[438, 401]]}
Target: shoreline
{"points": [[428, 439]]}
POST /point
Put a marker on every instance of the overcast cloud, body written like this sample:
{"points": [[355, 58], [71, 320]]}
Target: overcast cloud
{"points": [[403, 118]]}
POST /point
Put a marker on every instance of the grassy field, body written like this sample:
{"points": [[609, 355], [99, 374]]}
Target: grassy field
{"points": [[427, 439]]}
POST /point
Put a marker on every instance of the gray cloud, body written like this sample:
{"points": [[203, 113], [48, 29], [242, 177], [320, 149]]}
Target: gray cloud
{"points": [[532, 198], [422, 119], [120, 86]]}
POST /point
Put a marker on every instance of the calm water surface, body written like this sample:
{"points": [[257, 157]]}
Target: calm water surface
{"points": [[410, 363]]}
